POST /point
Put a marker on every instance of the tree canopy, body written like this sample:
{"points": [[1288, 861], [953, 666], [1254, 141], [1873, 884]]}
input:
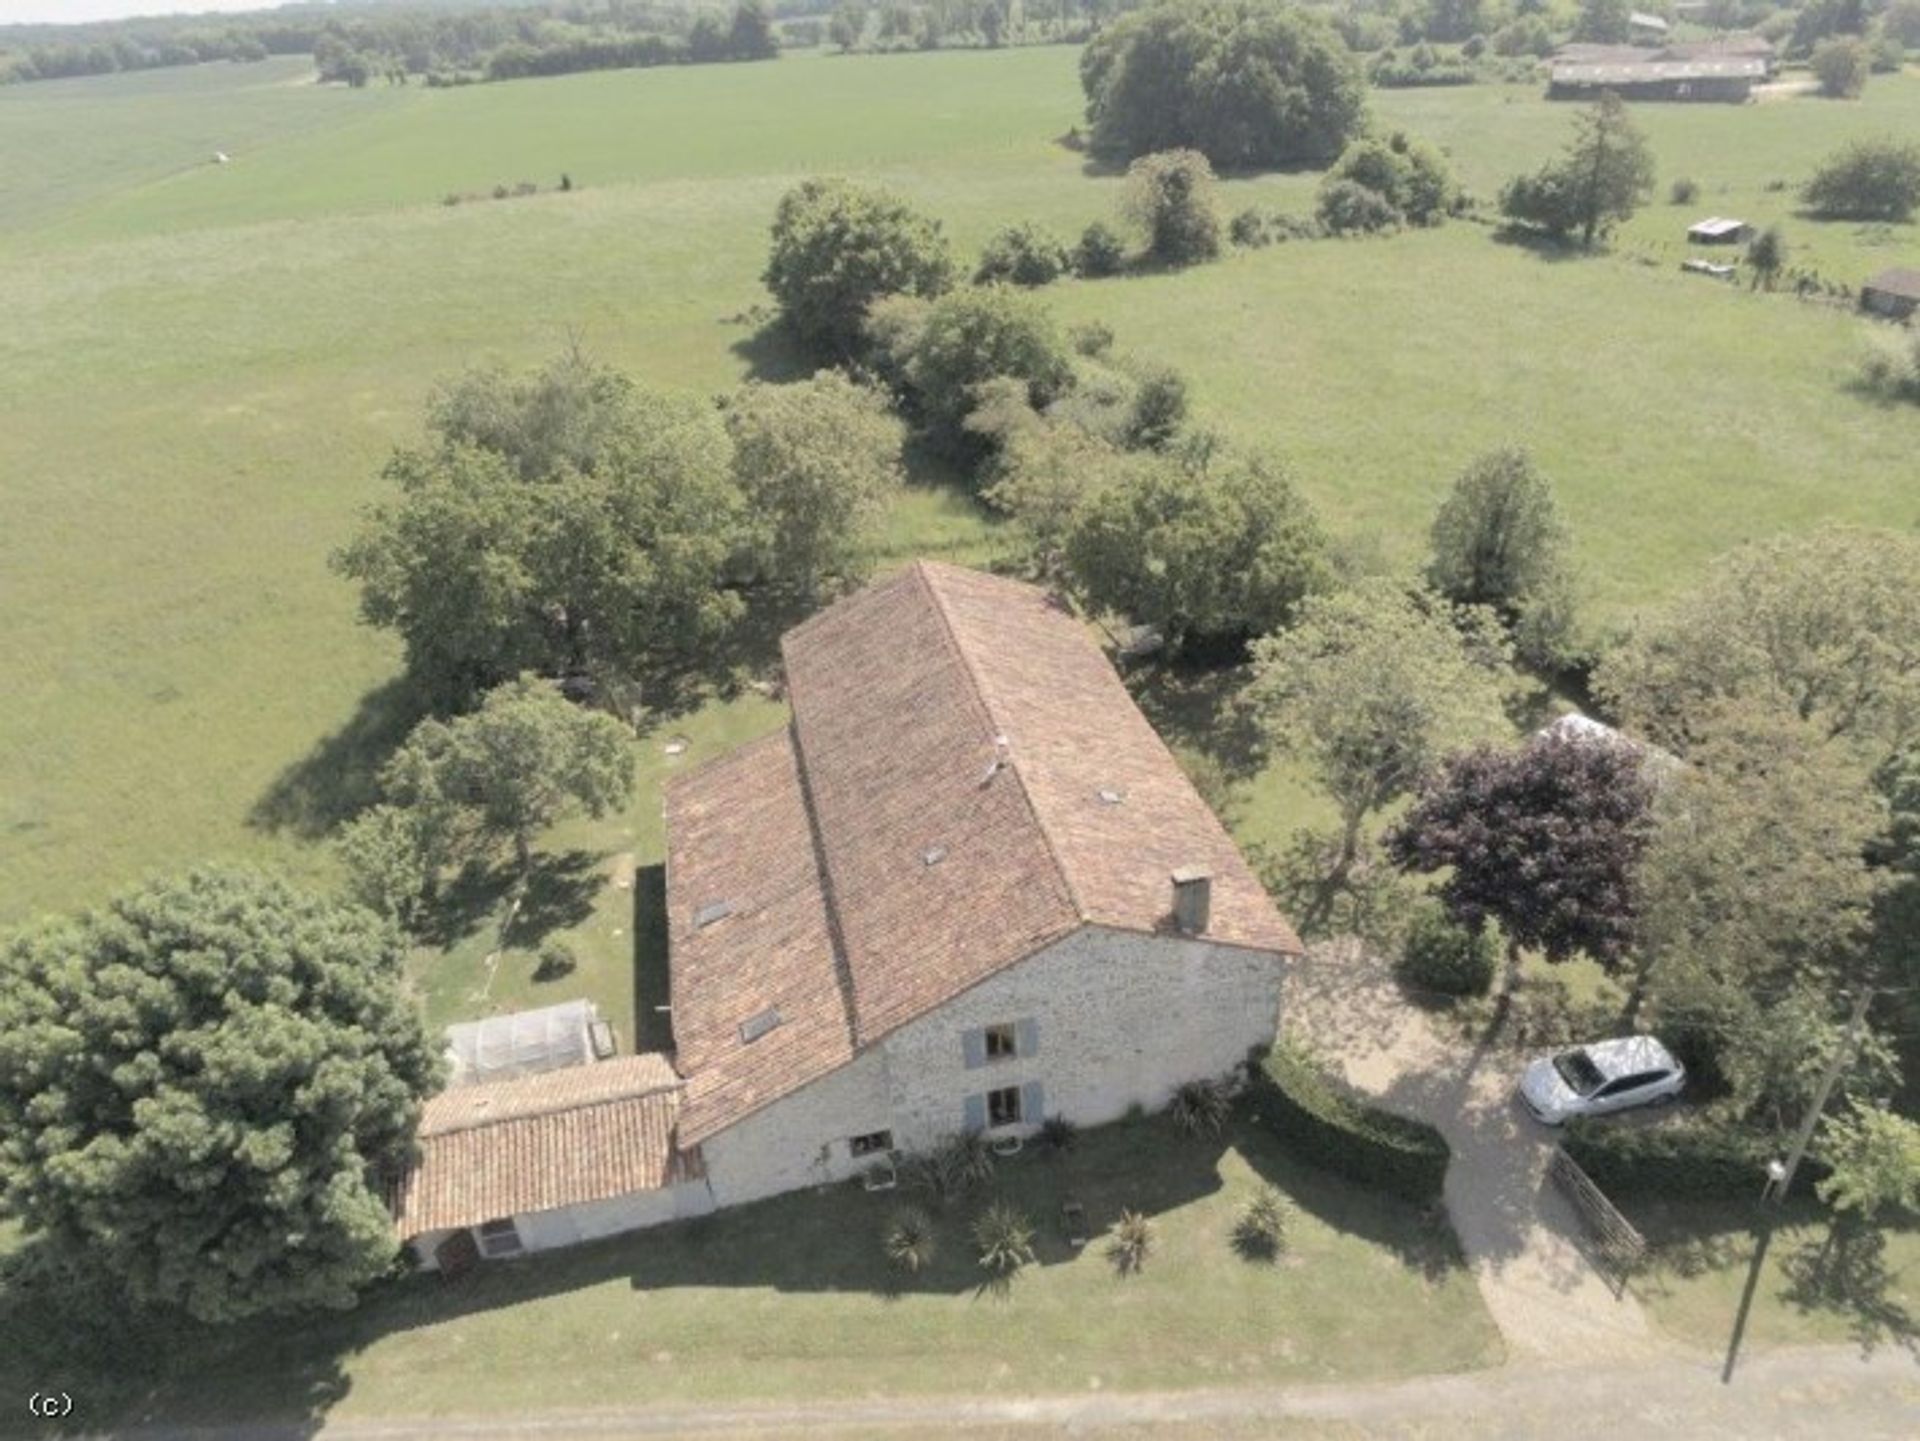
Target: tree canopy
{"points": [[1604, 176], [1410, 176], [1498, 541], [1210, 549], [201, 1084], [1824, 627], [1250, 84], [1372, 686], [1170, 196], [1868, 180], [568, 523], [816, 463], [1545, 839], [839, 247]]}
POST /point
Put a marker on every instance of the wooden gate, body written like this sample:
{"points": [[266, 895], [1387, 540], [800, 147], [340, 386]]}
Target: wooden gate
{"points": [[1617, 1248]]}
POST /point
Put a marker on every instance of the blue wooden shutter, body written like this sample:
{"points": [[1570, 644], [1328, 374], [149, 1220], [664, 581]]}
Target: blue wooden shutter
{"points": [[1033, 1103], [1026, 1039], [976, 1114], [973, 1045]]}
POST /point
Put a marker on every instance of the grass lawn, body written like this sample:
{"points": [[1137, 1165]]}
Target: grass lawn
{"points": [[790, 1298], [1811, 1286]]}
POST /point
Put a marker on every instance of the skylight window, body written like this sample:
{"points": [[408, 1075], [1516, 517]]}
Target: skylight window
{"points": [[756, 1026], [933, 855], [712, 911], [1111, 797]]}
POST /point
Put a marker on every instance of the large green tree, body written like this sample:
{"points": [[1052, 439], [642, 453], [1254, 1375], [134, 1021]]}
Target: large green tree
{"points": [[201, 1086], [1872, 179], [948, 356], [816, 463], [1604, 176], [566, 524], [839, 247], [1371, 687], [1170, 196], [1498, 541], [1248, 83], [1211, 549], [1824, 627]]}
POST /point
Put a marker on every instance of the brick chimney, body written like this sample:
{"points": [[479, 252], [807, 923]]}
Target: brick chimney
{"points": [[1192, 899]]}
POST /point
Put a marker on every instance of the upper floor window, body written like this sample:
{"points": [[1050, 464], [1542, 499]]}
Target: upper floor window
{"points": [[1003, 1041]]}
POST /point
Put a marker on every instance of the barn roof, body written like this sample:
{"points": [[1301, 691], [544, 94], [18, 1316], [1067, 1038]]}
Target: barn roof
{"points": [[965, 781], [1897, 280]]}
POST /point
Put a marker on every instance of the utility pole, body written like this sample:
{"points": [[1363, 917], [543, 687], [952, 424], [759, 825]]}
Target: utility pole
{"points": [[1842, 1054]]}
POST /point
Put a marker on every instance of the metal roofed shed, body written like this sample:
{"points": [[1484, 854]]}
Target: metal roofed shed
{"points": [[1718, 230], [1726, 79], [525, 1043], [1894, 293]]}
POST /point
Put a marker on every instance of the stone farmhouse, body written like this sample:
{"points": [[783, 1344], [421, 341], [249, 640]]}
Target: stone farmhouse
{"points": [[967, 888]]}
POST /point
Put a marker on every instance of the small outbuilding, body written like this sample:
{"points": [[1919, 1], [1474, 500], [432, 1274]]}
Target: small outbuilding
{"points": [[1584, 74], [1647, 29], [1894, 293], [1719, 230]]}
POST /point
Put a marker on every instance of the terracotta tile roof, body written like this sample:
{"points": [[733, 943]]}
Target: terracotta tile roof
{"points": [[890, 851], [739, 837], [537, 1143]]}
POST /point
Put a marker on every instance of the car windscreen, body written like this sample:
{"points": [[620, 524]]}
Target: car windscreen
{"points": [[1577, 1069]]}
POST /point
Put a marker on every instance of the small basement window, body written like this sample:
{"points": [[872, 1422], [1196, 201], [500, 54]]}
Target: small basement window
{"points": [[872, 1144], [500, 1238], [1003, 1106], [712, 911], [1003, 1042], [756, 1026]]}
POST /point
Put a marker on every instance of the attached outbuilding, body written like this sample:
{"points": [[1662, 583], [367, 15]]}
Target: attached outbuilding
{"points": [[527, 1043], [1894, 293]]}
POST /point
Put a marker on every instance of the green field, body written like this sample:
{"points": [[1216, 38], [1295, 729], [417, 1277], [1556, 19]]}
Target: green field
{"points": [[791, 1298], [205, 366]]}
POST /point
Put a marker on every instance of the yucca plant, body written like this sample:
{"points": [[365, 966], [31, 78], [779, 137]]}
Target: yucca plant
{"points": [[1004, 1237], [1201, 1108], [1132, 1240], [908, 1240], [1058, 1134], [951, 1167], [1261, 1232]]}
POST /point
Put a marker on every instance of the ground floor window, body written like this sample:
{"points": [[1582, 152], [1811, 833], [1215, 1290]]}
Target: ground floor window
{"points": [[500, 1238], [871, 1144], [1003, 1106]]}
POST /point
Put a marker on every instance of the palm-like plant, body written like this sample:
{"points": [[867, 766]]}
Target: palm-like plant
{"points": [[1261, 1232], [1201, 1108], [1132, 1240], [1004, 1237], [908, 1240], [1058, 1134]]}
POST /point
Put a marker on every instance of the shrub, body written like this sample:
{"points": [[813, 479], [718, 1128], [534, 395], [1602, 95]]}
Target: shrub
{"points": [[1303, 1107], [1059, 1135], [955, 1165], [1347, 207], [1890, 365], [908, 1240], [1261, 1232], [1442, 955], [1170, 195], [970, 338], [1093, 339], [1683, 191], [1868, 180], [1159, 406], [1248, 230], [1131, 1243], [556, 960], [1408, 174], [1841, 65], [1100, 252], [1697, 1157], [1025, 254], [1003, 1238], [1200, 1108]]}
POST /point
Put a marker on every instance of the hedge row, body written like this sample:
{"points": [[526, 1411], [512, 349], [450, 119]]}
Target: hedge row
{"points": [[1327, 1126], [1697, 1158]]}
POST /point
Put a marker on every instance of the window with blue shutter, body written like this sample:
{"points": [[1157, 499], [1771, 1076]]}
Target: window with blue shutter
{"points": [[973, 1046], [1033, 1103], [1028, 1034], [975, 1118]]}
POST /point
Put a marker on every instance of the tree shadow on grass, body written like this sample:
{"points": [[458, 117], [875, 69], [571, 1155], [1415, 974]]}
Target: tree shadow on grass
{"points": [[339, 776], [1845, 1273], [1195, 706], [770, 350], [1552, 249], [559, 895]]}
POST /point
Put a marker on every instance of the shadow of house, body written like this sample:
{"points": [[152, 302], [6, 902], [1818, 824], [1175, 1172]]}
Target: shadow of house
{"points": [[652, 984]]}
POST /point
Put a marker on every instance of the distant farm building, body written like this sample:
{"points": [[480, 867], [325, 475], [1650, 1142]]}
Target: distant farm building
{"points": [[1719, 230], [1648, 76], [1894, 293]]}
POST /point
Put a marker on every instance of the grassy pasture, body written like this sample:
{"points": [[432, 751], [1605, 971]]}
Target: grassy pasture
{"points": [[205, 367], [791, 1299]]}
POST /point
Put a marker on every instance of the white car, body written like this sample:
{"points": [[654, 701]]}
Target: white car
{"points": [[1600, 1078]]}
